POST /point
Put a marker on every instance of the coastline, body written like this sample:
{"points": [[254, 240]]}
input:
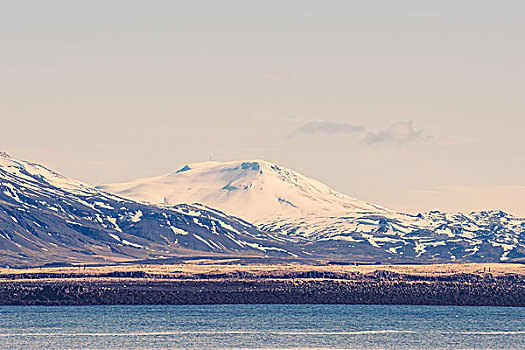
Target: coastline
{"points": [[446, 284]]}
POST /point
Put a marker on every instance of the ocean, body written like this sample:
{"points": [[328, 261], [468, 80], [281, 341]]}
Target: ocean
{"points": [[261, 327]]}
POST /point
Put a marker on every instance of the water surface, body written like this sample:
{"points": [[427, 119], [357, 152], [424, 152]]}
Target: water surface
{"points": [[261, 326]]}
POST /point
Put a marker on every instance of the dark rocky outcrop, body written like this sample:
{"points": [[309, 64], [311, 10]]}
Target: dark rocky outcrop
{"points": [[376, 288]]}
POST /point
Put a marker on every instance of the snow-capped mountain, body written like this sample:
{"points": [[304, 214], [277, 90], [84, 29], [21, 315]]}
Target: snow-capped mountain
{"points": [[326, 223], [46, 217], [253, 190], [431, 237]]}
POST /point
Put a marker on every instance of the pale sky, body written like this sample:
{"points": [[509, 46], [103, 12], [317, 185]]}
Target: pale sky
{"points": [[413, 105]]}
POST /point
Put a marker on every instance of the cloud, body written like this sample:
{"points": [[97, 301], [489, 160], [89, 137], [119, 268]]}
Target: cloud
{"points": [[328, 128], [399, 133]]}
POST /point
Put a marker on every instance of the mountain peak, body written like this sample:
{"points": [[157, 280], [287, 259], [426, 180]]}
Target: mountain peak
{"points": [[244, 164], [254, 190], [21, 168], [4, 154]]}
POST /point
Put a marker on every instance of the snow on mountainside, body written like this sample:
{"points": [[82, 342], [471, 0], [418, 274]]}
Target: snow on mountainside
{"points": [[46, 217], [253, 190], [327, 223], [435, 236], [31, 171]]}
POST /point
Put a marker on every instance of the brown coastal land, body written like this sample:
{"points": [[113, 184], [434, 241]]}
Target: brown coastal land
{"points": [[229, 282]]}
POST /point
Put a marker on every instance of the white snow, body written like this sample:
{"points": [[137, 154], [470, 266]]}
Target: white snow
{"points": [[132, 244], [253, 190], [114, 223], [115, 237], [137, 217], [21, 169], [103, 205], [507, 248], [73, 223], [228, 227], [203, 240], [178, 231]]}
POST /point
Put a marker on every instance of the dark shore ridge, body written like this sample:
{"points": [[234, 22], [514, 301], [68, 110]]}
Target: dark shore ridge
{"points": [[307, 287]]}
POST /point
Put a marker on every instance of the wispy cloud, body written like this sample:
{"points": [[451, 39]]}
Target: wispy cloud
{"points": [[327, 128], [399, 133]]}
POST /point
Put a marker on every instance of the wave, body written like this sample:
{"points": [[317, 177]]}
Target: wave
{"points": [[233, 332], [94, 334], [487, 332]]}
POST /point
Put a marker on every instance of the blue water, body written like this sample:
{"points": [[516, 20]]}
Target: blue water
{"points": [[261, 326]]}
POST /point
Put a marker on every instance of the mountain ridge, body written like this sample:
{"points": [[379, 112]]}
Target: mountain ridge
{"points": [[46, 217], [337, 229]]}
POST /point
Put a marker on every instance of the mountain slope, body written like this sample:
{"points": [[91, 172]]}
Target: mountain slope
{"points": [[431, 237], [326, 223], [253, 190], [46, 217]]}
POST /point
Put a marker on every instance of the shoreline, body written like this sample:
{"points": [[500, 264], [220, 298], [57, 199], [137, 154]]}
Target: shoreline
{"points": [[467, 285]]}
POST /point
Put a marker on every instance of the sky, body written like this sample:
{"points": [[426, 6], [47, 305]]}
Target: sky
{"points": [[412, 105]]}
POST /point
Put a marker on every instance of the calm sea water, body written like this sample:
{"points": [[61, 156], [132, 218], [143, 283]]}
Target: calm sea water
{"points": [[261, 326]]}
